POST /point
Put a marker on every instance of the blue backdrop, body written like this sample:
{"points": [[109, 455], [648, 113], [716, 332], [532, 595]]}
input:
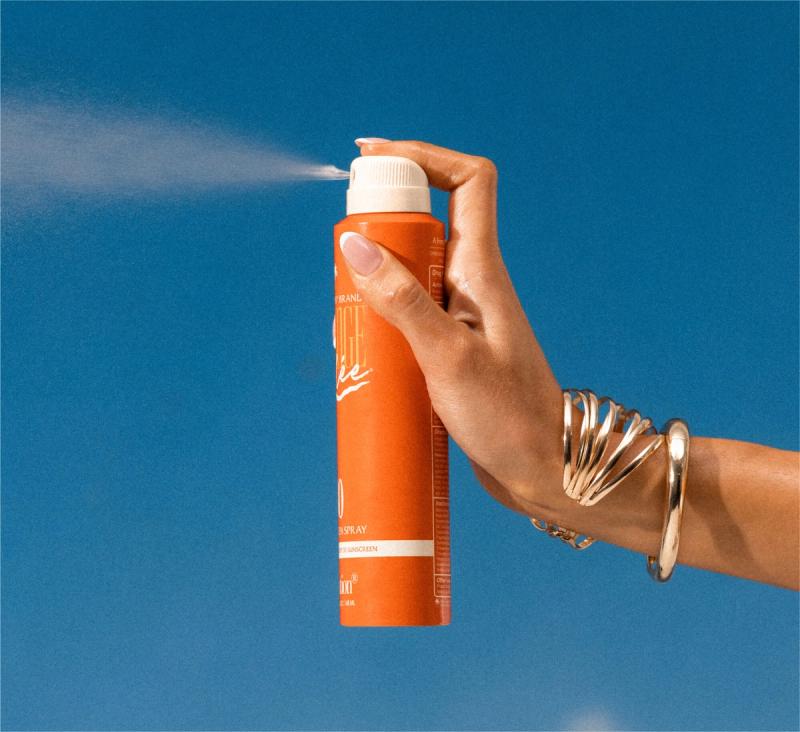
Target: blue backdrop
{"points": [[169, 500]]}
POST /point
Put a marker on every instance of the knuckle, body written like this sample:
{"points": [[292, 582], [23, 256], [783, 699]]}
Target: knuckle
{"points": [[485, 168], [407, 297]]}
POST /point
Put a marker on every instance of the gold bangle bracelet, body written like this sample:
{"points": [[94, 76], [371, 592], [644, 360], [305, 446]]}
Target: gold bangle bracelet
{"points": [[677, 439]]}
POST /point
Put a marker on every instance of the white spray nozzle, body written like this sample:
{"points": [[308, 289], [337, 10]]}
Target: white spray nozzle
{"points": [[386, 183]]}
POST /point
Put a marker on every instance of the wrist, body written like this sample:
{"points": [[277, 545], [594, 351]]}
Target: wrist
{"points": [[634, 510]]}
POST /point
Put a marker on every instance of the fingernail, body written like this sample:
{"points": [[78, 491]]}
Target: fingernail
{"points": [[370, 140], [362, 255]]}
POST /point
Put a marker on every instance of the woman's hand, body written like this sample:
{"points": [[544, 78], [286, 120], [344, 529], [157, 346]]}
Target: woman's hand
{"points": [[492, 387], [488, 380]]}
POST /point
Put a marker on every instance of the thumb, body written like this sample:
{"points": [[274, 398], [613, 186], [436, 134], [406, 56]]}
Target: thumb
{"points": [[397, 295]]}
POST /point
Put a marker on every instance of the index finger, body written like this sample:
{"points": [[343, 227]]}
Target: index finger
{"points": [[470, 179]]}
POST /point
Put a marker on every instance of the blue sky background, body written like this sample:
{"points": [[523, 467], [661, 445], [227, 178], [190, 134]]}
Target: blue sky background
{"points": [[169, 502]]}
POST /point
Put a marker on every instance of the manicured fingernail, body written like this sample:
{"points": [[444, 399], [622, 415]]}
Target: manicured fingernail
{"points": [[362, 255], [370, 140]]}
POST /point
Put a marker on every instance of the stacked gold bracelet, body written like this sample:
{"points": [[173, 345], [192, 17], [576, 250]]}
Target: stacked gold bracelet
{"points": [[591, 471], [590, 476]]}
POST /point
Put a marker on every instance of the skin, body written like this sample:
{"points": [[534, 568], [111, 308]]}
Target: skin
{"points": [[493, 389]]}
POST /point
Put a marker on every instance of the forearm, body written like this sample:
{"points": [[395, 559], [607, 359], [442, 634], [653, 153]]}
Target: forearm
{"points": [[740, 510]]}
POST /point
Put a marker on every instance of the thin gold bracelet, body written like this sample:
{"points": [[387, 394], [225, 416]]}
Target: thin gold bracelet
{"points": [[568, 536]]}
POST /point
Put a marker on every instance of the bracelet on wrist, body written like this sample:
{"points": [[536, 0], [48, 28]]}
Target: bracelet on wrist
{"points": [[592, 470]]}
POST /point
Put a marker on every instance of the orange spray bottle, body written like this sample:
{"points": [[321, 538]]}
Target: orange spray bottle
{"points": [[393, 493]]}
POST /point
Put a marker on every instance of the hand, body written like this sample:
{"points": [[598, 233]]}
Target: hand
{"points": [[487, 377]]}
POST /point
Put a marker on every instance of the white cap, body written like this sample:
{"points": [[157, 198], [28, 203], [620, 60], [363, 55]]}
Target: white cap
{"points": [[387, 183]]}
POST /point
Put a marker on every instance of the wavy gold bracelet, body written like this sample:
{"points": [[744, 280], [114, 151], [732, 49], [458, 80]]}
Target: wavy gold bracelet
{"points": [[590, 476]]}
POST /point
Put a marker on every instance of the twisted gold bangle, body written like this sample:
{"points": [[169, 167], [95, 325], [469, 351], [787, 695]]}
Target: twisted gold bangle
{"points": [[677, 438]]}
